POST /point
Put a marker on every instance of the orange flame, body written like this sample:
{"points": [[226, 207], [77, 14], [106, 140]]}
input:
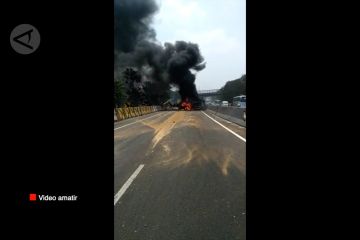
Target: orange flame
{"points": [[186, 105]]}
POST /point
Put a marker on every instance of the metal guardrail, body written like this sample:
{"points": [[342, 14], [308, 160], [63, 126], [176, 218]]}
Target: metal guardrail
{"points": [[129, 112]]}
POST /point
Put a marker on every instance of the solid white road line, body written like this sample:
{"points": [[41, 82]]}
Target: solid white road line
{"points": [[229, 122], [127, 184], [231, 131], [136, 121]]}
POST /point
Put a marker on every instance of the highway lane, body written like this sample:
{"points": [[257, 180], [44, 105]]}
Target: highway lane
{"points": [[131, 121], [191, 183], [233, 126]]}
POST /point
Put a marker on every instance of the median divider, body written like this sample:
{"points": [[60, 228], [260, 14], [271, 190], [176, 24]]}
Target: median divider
{"points": [[130, 112], [232, 114]]}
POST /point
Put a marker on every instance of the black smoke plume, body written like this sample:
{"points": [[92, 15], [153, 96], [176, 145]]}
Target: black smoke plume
{"points": [[160, 66]]}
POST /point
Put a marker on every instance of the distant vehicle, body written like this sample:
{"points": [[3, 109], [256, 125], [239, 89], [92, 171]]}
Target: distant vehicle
{"points": [[216, 103], [239, 101], [224, 103]]}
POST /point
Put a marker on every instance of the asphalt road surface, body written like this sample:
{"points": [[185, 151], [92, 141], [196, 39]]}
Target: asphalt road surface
{"points": [[179, 176]]}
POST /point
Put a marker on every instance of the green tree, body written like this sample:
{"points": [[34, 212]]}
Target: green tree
{"points": [[120, 95], [134, 88], [233, 88], [156, 93]]}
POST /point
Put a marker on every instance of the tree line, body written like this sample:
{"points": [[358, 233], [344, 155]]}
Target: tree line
{"points": [[130, 90], [233, 88]]}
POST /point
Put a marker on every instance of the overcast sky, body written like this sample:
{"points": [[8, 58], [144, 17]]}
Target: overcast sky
{"points": [[218, 26]]}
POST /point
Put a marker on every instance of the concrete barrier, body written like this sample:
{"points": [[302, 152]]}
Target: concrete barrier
{"points": [[232, 114], [129, 112]]}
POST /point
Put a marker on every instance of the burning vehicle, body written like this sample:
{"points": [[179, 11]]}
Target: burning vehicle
{"points": [[186, 104], [191, 105], [177, 102]]}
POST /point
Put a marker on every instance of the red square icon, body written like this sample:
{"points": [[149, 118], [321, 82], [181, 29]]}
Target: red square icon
{"points": [[32, 197]]}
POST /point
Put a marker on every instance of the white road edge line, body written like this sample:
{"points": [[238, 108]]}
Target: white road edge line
{"points": [[231, 131], [228, 121], [136, 121], [127, 184]]}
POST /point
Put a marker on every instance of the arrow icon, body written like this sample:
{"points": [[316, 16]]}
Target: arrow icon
{"points": [[27, 33]]}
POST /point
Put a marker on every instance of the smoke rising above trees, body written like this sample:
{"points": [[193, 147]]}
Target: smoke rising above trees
{"points": [[157, 66]]}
